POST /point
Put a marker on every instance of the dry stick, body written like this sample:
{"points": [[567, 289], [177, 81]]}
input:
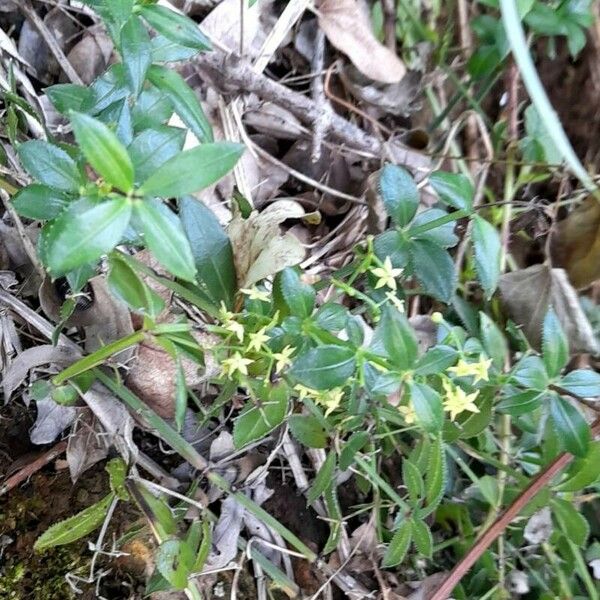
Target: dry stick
{"points": [[504, 520], [230, 74], [34, 466], [318, 94], [50, 40]]}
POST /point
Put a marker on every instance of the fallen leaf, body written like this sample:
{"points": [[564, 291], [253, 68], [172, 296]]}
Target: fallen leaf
{"points": [[539, 527], [86, 444], [226, 534], [52, 419], [348, 28], [575, 244], [529, 293]]}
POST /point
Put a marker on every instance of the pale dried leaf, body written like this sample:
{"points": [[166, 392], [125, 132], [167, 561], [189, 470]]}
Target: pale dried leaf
{"points": [[223, 24], [86, 444], [90, 56], [273, 120], [52, 419], [539, 527], [529, 293], [226, 534], [348, 28]]}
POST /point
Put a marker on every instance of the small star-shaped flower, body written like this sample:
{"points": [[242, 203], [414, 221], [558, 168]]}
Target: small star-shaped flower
{"points": [[254, 293], [236, 363], [257, 340], [283, 358], [236, 328], [408, 414], [386, 275], [478, 369], [457, 400]]}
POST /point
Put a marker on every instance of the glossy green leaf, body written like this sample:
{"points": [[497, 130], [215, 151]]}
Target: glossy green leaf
{"points": [[555, 346], [153, 147], [427, 404], [391, 243], [396, 337], [78, 237], [211, 250], [76, 527], [125, 284], [175, 27], [258, 419], [487, 249], [152, 109], [399, 194], [436, 360], [136, 52], [183, 99], [493, 341], [175, 559], [453, 189], [434, 268], [324, 367], [571, 522], [583, 472], [164, 236], [443, 235], [165, 50], [396, 551], [50, 165], [181, 396], [107, 89], [422, 537], [582, 382], [120, 10], [349, 449], [573, 431], [323, 480], [331, 316], [308, 431], [530, 372], [520, 403], [298, 296], [192, 170], [39, 202], [117, 117], [103, 151], [413, 481], [68, 96]]}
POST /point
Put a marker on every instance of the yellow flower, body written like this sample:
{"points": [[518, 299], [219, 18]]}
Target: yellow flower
{"points": [[305, 392], [387, 275], [408, 413], [255, 294], [399, 304], [478, 369], [236, 363], [236, 328], [331, 399], [283, 358], [224, 315], [257, 339], [457, 400]]}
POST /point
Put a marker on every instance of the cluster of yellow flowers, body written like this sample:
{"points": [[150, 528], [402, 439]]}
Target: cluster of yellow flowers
{"points": [[256, 342], [456, 400], [330, 399]]}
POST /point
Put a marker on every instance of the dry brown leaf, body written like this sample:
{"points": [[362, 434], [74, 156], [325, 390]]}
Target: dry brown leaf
{"points": [[575, 244], [86, 446], [90, 56], [348, 28], [529, 293]]}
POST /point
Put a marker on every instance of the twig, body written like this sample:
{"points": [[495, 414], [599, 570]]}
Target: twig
{"points": [[504, 520], [388, 8], [34, 466], [318, 95], [50, 40]]}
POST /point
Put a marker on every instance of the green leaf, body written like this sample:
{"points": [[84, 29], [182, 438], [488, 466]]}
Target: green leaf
{"points": [[164, 50], [436, 360], [77, 237], [175, 559], [422, 537], [325, 367], [39, 202], [573, 431], [308, 431], [323, 480], [453, 189], [398, 547], [583, 472], [152, 108], [136, 52], [76, 527], [161, 514], [493, 341], [68, 96], [434, 268], [183, 100], [154, 147], [487, 250], [258, 419], [299, 296], [555, 346], [117, 471], [530, 372], [428, 406], [435, 477], [211, 250], [165, 237], [520, 403], [571, 522], [442, 235], [331, 316], [399, 194], [181, 396], [103, 151], [50, 165], [175, 27], [119, 9], [117, 117], [396, 337], [582, 382], [391, 243], [192, 170], [413, 481], [354, 443]]}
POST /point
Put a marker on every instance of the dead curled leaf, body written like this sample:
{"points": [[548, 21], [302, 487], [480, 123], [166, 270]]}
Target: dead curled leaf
{"points": [[529, 293], [348, 28], [86, 444], [575, 244], [259, 249]]}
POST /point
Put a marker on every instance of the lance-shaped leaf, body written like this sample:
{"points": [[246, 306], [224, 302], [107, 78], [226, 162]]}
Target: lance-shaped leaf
{"points": [[175, 27], [136, 50]]}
